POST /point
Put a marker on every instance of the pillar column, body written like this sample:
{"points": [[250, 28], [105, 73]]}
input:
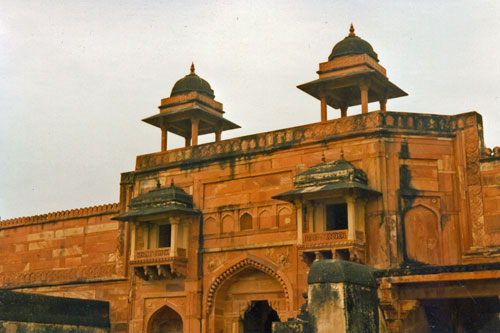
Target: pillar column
{"points": [[187, 140], [163, 136], [300, 222], [310, 217], [360, 216], [343, 111], [145, 236], [218, 133], [383, 103], [351, 217], [132, 240], [364, 97], [323, 109], [174, 221], [194, 131]]}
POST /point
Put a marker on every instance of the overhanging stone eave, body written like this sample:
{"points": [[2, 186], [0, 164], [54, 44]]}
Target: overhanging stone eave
{"points": [[329, 190], [184, 114], [318, 87], [155, 213]]}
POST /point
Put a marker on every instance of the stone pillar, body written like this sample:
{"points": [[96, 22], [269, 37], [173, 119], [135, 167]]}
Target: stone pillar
{"points": [[343, 111], [174, 221], [218, 133], [342, 297], [300, 222], [310, 217], [145, 236], [187, 141], [194, 131], [132, 240], [323, 109], [364, 97], [383, 103], [163, 136], [351, 217]]}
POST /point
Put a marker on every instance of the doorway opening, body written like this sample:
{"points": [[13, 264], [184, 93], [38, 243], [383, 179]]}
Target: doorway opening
{"points": [[259, 318]]}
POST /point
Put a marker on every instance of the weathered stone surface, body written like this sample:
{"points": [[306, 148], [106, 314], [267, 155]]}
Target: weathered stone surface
{"points": [[341, 271], [32, 308]]}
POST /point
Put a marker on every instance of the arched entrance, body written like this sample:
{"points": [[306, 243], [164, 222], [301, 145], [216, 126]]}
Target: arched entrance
{"points": [[165, 320], [247, 302]]}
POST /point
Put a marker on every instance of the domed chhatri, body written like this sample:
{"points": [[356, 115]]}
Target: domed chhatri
{"points": [[191, 110], [192, 82], [351, 76], [350, 45]]}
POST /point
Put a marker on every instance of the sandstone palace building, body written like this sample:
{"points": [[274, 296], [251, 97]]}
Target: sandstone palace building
{"points": [[220, 237]]}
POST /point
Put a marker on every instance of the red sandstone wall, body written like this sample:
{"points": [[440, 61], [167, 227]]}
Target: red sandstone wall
{"points": [[490, 172], [66, 250]]}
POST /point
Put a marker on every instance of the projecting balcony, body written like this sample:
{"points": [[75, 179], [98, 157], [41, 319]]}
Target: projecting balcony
{"points": [[158, 264], [334, 244]]}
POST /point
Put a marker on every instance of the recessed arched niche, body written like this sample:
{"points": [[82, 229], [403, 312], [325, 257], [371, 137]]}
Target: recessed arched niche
{"points": [[266, 219], [284, 216], [227, 223], [210, 226], [422, 235], [246, 222]]}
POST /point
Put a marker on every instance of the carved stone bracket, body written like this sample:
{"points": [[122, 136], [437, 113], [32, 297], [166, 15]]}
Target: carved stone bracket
{"points": [[395, 310]]}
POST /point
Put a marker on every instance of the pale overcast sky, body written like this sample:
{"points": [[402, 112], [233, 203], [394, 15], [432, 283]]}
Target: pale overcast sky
{"points": [[77, 77]]}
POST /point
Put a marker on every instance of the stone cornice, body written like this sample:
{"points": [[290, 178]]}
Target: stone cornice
{"points": [[265, 143], [60, 216]]}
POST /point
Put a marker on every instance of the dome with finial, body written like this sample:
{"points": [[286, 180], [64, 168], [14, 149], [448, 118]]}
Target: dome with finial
{"points": [[192, 82], [351, 45]]}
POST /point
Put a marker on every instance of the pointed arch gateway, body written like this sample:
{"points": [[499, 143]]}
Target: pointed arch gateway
{"points": [[165, 320], [246, 288]]}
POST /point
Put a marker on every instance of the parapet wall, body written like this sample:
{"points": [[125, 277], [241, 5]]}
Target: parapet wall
{"points": [[265, 143], [72, 246], [60, 215]]}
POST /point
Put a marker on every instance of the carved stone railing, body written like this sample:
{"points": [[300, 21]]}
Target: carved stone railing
{"points": [[160, 255], [156, 264], [325, 237], [332, 244], [154, 253], [329, 130]]}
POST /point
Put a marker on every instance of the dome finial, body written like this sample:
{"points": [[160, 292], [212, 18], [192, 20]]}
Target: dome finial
{"points": [[351, 31], [192, 67]]}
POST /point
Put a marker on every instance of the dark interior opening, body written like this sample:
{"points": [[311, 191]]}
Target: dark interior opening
{"points": [[336, 217], [164, 237], [479, 314], [259, 318], [342, 254]]}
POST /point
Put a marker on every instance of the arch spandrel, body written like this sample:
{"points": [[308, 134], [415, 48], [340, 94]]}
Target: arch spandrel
{"points": [[237, 266]]}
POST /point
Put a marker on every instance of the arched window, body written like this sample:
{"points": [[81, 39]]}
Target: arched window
{"points": [[246, 222]]}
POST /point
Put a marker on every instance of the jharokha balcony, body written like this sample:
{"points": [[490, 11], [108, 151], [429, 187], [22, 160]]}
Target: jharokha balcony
{"points": [[334, 244], [160, 263]]}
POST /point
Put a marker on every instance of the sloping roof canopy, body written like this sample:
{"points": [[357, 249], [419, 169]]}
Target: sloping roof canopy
{"points": [[337, 177], [344, 89], [159, 201], [179, 121]]}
